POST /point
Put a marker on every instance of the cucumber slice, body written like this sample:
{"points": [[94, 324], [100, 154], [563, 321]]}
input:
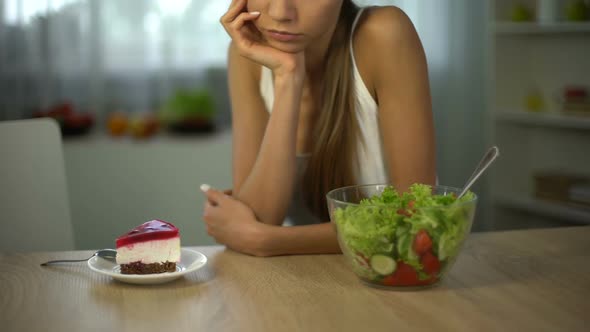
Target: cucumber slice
{"points": [[384, 265]]}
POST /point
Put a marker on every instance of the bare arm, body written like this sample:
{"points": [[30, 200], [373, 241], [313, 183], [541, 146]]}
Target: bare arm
{"points": [[264, 150], [400, 76], [263, 146], [233, 223], [299, 240]]}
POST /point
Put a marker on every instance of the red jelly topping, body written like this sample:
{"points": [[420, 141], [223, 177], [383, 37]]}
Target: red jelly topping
{"points": [[148, 231]]}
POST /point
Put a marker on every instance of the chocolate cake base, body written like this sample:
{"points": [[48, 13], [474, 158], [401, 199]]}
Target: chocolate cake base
{"points": [[140, 268]]}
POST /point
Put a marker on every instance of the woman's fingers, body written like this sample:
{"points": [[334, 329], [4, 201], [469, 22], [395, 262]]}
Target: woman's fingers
{"points": [[239, 32], [212, 218], [215, 197], [234, 20], [241, 20], [209, 212]]}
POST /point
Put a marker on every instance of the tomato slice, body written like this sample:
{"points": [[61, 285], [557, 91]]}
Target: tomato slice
{"points": [[404, 275], [422, 242], [430, 263], [390, 280]]}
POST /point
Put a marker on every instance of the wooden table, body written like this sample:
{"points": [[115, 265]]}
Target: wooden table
{"points": [[537, 280]]}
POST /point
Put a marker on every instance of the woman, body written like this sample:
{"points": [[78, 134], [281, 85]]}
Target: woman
{"points": [[323, 95]]}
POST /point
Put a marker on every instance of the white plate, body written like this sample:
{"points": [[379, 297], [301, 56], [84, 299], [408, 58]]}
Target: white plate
{"points": [[190, 261]]}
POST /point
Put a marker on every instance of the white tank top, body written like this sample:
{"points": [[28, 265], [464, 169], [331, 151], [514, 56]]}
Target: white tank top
{"points": [[370, 153]]}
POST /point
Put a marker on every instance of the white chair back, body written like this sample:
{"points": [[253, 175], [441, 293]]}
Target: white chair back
{"points": [[34, 204]]}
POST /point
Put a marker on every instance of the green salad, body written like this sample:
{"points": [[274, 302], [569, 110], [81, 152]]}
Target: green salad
{"points": [[404, 239]]}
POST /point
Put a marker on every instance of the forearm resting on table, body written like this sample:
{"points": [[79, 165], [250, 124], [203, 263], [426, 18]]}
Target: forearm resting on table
{"points": [[268, 189], [298, 240]]}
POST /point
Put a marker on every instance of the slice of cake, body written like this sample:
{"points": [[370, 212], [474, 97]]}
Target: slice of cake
{"points": [[152, 247]]}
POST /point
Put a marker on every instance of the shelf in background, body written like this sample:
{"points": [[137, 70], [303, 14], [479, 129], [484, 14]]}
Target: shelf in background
{"points": [[513, 28], [545, 119], [546, 208]]}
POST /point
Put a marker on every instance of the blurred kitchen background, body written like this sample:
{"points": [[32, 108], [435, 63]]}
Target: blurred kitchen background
{"points": [[139, 88]]}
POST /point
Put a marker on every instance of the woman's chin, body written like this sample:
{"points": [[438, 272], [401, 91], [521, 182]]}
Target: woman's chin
{"points": [[287, 47]]}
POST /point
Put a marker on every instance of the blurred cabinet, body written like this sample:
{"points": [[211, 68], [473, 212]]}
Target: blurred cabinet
{"points": [[531, 64]]}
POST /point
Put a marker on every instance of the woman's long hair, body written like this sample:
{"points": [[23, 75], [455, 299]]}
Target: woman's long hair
{"points": [[336, 136]]}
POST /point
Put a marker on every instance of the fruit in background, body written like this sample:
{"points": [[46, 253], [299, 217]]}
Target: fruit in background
{"points": [[576, 101], [78, 120], [70, 121], [144, 126], [575, 93], [77, 123], [58, 112], [117, 124], [576, 11], [535, 102], [521, 13], [189, 111], [61, 110]]}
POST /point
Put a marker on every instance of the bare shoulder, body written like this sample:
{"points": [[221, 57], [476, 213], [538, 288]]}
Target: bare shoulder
{"points": [[386, 25], [384, 39]]}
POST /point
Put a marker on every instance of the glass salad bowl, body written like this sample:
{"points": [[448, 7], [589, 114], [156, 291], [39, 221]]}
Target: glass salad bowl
{"points": [[401, 241]]}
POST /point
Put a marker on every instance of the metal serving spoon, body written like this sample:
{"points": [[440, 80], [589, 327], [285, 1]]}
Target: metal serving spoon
{"points": [[108, 254], [485, 162]]}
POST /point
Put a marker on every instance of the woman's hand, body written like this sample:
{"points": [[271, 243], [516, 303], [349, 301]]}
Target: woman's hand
{"points": [[232, 223], [239, 25]]}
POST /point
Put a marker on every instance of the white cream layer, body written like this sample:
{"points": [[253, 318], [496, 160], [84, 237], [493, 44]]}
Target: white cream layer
{"points": [[148, 252]]}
